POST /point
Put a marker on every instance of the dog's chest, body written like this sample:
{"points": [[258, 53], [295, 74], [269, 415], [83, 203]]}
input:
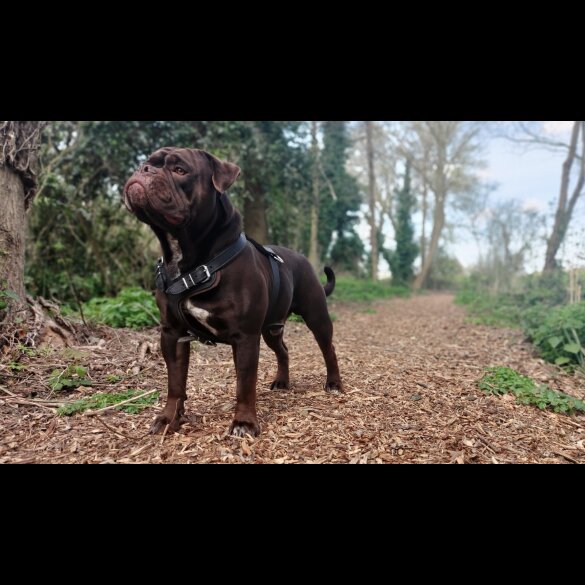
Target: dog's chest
{"points": [[200, 315]]}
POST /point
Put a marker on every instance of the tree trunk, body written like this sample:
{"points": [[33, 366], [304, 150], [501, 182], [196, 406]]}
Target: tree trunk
{"points": [[12, 234], [438, 224], [565, 206], [423, 235], [372, 201], [313, 244], [255, 222]]}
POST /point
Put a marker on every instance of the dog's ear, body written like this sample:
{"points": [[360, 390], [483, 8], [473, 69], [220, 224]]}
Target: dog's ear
{"points": [[224, 173]]}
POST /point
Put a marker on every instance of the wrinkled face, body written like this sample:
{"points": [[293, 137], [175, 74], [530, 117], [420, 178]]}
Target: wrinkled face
{"points": [[178, 186]]}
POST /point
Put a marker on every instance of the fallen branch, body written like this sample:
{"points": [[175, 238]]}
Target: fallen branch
{"points": [[30, 403]]}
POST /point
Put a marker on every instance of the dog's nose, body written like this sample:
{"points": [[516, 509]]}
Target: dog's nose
{"points": [[149, 169]]}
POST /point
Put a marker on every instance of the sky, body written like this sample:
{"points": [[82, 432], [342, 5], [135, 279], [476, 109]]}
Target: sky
{"points": [[532, 176]]}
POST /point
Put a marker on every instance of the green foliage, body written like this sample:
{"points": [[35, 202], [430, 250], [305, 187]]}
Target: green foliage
{"points": [[340, 201], [68, 379], [486, 309], [16, 366], [354, 289], [6, 295], [294, 318], [401, 260], [133, 307], [347, 253], [103, 400], [561, 335], [85, 244], [502, 380], [557, 331], [548, 289]]}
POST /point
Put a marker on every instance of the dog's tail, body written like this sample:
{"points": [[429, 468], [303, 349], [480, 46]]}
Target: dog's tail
{"points": [[330, 286]]}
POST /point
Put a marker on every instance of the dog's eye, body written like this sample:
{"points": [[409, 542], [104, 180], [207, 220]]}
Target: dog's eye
{"points": [[179, 171]]}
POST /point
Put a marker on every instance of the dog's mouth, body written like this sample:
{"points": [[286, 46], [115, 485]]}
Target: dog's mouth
{"points": [[137, 201], [135, 196]]}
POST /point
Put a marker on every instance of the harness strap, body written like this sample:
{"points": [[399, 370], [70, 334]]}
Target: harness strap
{"points": [[274, 261], [203, 273], [207, 276]]}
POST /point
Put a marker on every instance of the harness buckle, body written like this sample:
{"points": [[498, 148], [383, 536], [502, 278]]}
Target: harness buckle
{"points": [[207, 273]]}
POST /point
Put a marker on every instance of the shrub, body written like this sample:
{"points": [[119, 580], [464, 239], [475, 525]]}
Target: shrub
{"points": [[133, 307], [560, 336]]}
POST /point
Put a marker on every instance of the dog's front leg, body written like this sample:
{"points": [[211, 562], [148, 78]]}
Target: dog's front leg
{"points": [[177, 359], [246, 353]]}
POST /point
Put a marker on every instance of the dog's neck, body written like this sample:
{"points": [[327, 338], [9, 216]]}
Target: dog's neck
{"points": [[195, 244]]}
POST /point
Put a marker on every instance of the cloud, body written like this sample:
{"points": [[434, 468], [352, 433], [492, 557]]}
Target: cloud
{"points": [[533, 204], [557, 128]]}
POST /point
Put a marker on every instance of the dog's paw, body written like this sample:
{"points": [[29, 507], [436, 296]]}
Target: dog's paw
{"points": [[241, 429], [279, 384], [160, 424], [335, 387]]}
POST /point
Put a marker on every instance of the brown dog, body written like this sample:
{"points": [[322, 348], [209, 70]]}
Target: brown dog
{"points": [[216, 286]]}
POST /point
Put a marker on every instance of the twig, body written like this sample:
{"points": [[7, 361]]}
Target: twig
{"points": [[8, 391], [118, 432], [162, 439], [95, 412], [138, 373], [30, 403], [565, 456]]}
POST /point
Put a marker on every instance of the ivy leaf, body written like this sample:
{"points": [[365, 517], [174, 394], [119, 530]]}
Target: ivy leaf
{"points": [[561, 361], [554, 341], [572, 347], [11, 295]]}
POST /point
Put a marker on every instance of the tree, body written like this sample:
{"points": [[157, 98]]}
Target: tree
{"points": [[372, 201], [401, 260], [79, 209], [340, 201], [315, 175], [511, 233], [532, 134], [566, 204], [20, 142], [442, 154]]}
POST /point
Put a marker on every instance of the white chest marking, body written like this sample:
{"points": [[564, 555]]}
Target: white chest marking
{"points": [[173, 266], [201, 315]]}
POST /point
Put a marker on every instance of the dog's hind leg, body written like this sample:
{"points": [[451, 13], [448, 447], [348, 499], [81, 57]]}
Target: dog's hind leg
{"points": [[277, 345], [317, 318], [176, 356]]}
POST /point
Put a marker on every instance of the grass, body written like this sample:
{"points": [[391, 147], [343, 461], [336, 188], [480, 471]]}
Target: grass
{"points": [[357, 290], [502, 380], [103, 400], [485, 309], [362, 290]]}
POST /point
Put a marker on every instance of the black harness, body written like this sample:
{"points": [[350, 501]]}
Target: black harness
{"points": [[205, 277]]}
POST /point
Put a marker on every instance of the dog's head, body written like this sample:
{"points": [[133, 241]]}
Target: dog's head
{"points": [[178, 186]]}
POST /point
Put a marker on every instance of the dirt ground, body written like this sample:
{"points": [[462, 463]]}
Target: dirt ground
{"points": [[409, 369]]}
